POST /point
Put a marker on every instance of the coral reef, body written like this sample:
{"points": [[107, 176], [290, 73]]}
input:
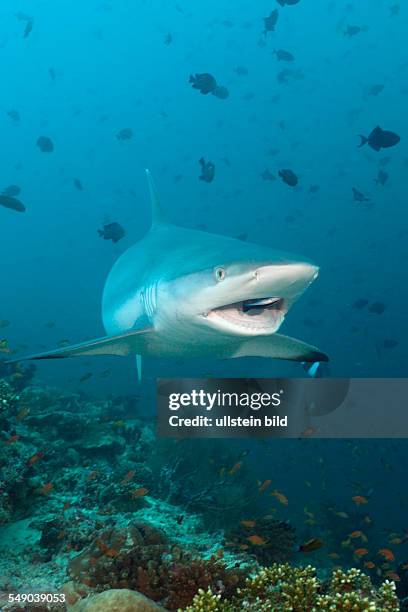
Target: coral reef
{"points": [[282, 588], [140, 558]]}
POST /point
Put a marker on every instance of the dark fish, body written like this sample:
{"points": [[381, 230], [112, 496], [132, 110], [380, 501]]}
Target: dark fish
{"points": [[125, 134], [12, 191], [207, 170], [29, 28], [375, 90], [314, 188], [168, 39], [377, 307], [271, 21], [311, 545], [359, 196], [85, 377], [112, 231], [14, 115], [241, 70], [288, 2], [268, 176], [283, 56], [204, 82], [284, 75], [390, 344], [13, 203], [220, 92], [51, 72], [352, 31], [45, 144], [78, 184], [289, 177], [361, 303], [382, 177], [394, 10], [380, 139]]}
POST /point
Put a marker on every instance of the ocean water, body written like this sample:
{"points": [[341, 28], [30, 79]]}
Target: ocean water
{"points": [[81, 73]]}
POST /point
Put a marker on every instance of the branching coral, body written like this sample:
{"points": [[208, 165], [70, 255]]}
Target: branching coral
{"points": [[139, 558], [283, 588]]}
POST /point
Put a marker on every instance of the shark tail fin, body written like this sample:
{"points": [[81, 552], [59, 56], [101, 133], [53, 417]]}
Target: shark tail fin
{"points": [[122, 345], [157, 213]]}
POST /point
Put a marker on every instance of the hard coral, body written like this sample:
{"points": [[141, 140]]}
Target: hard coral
{"points": [[116, 600], [139, 558], [281, 588]]}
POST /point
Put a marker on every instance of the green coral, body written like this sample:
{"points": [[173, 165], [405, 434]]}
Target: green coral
{"points": [[283, 588]]}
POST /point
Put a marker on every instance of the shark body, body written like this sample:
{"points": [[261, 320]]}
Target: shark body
{"points": [[180, 292]]}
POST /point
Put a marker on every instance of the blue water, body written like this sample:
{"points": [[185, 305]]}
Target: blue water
{"points": [[114, 70]]}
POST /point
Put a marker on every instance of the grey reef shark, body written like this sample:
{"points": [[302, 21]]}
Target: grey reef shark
{"points": [[186, 293]]}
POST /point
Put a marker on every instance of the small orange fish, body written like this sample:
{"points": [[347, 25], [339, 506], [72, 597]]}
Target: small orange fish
{"points": [[92, 475], [140, 492], [369, 564], [45, 489], [359, 500], [387, 554], [219, 553], [22, 414], [34, 458], [256, 540], [127, 477], [356, 534], [308, 432], [244, 547], [264, 485], [12, 440], [280, 497], [360, 552], [66, 506], [235, 468], [334, 555], [393, 575], [249, 524], [395, 541]]}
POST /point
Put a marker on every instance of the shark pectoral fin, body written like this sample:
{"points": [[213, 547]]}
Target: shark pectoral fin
{"points": [[122, 344], [280, 347]]}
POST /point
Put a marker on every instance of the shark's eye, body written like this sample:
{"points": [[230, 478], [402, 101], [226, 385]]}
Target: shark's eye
{"points": [[219, 274]]}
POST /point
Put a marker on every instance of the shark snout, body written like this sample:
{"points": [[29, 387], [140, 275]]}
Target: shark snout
{"points": [[285, 280]]}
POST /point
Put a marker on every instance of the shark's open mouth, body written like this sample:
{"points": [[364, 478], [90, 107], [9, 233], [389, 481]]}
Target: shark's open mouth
{"points": [[260, 315]]}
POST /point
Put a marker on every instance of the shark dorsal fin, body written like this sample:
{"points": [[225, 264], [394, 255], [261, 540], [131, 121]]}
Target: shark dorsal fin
{"points": [[157, 213]]}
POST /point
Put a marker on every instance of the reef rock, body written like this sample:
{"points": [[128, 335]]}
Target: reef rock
{"points": [[116, 600]]}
